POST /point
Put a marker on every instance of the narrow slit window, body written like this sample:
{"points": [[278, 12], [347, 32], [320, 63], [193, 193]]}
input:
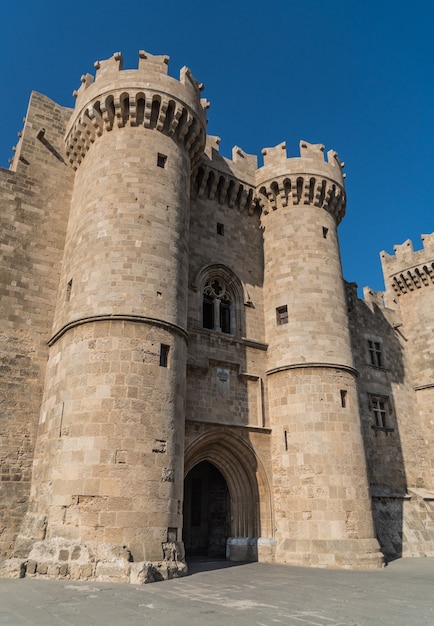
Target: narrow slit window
{"points": [[343, 398], [161, 160], [282, 315], [220, 229], [286, 439], [164, 355], [68, 290], [325, 232]]}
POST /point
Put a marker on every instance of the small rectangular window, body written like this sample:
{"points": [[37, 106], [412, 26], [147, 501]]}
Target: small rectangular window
{"points": [[343, 398], [324, 232], [164, 355], [282, 315], [220, 229], [161, 160], [375, 356]]}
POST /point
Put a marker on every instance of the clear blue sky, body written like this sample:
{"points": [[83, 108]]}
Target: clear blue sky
{"points": [[355, 75]]}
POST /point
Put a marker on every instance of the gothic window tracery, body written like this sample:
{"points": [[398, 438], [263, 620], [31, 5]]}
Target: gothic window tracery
{"points": [[217, 306]]}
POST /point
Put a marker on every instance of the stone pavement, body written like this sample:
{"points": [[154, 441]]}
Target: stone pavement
{"points": [[220, 593]]}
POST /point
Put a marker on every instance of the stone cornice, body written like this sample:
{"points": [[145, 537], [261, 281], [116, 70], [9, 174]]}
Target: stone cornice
{"points": [[295, 366], [137, 319]]}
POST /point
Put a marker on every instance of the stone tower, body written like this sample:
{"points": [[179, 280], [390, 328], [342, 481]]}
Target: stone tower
{"points": [[108, 472], [322, 505], [199, 380], [409, 280]]}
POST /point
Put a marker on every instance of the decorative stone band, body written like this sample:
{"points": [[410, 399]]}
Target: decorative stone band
{"points": [[212, 184], [295, 366], [303, 189], [138, 319], [413, 278], [136, 107]]}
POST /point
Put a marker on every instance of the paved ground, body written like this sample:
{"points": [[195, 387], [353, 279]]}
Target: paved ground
{"points": [[253, 594]]}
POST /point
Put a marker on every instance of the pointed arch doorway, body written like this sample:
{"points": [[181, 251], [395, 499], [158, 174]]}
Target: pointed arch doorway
{"points": [[227, 503], [206, 512]]}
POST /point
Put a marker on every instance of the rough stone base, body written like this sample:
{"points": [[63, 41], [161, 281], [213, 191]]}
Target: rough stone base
{"points": [[404, 522], [61, 558], [339, 554]]}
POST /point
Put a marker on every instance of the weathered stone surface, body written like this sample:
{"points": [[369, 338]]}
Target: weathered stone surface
{"points": [[183, 365]]}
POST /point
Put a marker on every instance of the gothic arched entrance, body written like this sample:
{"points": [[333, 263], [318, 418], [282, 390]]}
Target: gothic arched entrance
{"points": [[227, 506], [206, 512]]}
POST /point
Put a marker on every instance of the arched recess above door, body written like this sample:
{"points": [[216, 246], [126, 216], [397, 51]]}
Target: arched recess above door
{"points": [[251, 512]]}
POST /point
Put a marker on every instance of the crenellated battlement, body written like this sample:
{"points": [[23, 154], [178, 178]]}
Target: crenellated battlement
{"points": [[228, 181], [304, 180], [407, 269], [143, 98]]}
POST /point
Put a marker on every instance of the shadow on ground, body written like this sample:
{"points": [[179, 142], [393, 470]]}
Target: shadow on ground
{"points": [[204, 564]]}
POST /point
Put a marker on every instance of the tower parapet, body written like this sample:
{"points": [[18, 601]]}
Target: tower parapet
{"points": [[228, 181], [146, 97], [307, 179], [408, 269]]}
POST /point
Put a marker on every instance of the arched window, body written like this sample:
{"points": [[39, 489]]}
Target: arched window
{"points": [[217, 306]]}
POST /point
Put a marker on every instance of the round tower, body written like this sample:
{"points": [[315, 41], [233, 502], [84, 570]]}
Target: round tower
{"points": [[409, 280], [321, 499], [108, 476]]}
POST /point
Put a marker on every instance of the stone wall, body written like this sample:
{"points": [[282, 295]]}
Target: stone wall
{"points": [[165, 308], [34, 202]]}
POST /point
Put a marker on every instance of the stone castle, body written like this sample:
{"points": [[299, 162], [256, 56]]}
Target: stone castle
{"points": [[184, 370]]}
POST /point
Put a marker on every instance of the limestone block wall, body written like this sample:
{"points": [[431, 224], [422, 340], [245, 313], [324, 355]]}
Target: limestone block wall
{"points": [[34, 204], [409, 279], [226, 369], [322, 507], [396, 453], [163, 305], [302, 261], [225, 381], [127, 233], [321, 497], [108, 466], [225, 231]]}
